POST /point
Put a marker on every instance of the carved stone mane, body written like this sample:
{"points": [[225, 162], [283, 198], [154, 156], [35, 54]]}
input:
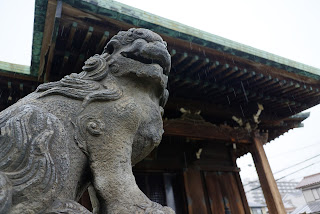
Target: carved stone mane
{"points": [[87, 128], [84, 86]]}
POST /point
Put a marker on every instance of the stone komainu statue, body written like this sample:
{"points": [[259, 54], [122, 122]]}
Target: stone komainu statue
{"points": [[87, 128]]}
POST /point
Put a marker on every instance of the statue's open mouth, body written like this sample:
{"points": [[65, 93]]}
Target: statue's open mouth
{"points": [[153, 52], [146, 60]]}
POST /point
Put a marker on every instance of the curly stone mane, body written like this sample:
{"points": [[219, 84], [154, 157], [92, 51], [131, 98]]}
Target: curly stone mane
{"points": [[127, 37], [85, 85]]}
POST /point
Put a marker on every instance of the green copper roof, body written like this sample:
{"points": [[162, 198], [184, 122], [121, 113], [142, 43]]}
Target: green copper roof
{"points": [[140, 18], [10, 67]]}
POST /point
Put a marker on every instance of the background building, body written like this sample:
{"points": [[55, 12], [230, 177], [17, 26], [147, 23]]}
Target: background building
{"points": [[310, 186], [254, 192]]}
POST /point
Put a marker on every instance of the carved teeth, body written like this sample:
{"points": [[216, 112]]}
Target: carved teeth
{"points": [[144, 60]]}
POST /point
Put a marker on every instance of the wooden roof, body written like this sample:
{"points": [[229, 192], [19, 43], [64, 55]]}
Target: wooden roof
{"points": [[219, 77]]}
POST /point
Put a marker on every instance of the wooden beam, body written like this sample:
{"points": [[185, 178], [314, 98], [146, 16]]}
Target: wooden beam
{"points": [[53, 38], [71, 35], [184, 82], [159, 165], [217, 71], [208, 167], [199, 67], [173, 52], [86, 39], [247, 76], [207, 108], [279, 90], [178, 61], [205, 130], [307, 92], [64, 62], [17, 76], [47, 34], [230, 72], [240, 73], [188, 64], [262, 82], [213, 66], [267, 181], [79, 63], [102, 42]]}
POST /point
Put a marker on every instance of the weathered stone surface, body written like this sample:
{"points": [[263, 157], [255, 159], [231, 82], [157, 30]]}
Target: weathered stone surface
{"points": [[87, 128]]}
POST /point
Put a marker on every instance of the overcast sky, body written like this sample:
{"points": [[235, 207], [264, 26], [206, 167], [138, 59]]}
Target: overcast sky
{"points": [[288, 28]]}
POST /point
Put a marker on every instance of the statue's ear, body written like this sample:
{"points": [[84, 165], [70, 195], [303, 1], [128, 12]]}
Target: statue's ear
{"points": [[85, 126]]}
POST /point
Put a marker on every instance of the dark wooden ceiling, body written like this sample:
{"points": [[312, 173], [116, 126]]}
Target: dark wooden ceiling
{"points": [[200, 78], [218, 84]]}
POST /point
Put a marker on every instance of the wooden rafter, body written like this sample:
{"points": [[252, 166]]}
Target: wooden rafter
{"points": [[205, 130], [47, 34], [52, 44], [102, 42]]}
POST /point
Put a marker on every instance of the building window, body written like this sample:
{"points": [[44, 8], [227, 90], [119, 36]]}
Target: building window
{"points": [[256, 211], [308, 195], [315, 194]]}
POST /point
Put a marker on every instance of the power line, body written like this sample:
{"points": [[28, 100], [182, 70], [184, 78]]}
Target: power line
{"points": [[297, 164], [288, 167], [294, 150], [284, 176], [296, 171]]}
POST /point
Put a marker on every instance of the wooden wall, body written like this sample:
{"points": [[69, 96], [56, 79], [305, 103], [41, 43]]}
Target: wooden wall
{"points": [[213, 193], [206, 185]]}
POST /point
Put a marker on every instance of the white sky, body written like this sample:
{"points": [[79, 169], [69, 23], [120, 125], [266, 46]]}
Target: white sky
{"points": [[289, 28], [16, 21]]}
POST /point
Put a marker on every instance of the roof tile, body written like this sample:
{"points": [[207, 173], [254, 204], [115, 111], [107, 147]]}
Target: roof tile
{"points": [[309, 181]]}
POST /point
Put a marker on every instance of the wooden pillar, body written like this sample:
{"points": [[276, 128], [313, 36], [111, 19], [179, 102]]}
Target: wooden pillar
{"points": [[267, 182], [195, 192]]}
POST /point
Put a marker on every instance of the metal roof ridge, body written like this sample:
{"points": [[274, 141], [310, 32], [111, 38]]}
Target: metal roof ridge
{"points": [[12, 67], [308, 176], [173, 25], [307, 181], [301, 115]]}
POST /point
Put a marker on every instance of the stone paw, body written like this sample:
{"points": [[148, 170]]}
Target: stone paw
{"points": [[153, 208], [67, 207]]}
